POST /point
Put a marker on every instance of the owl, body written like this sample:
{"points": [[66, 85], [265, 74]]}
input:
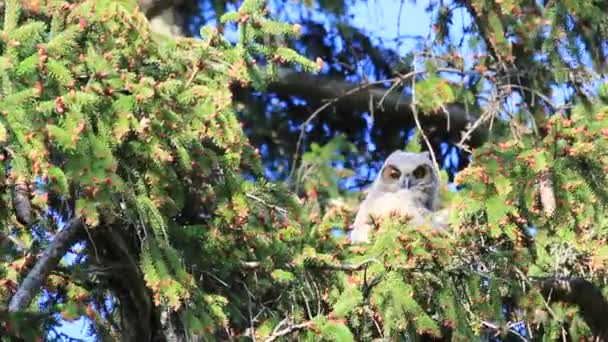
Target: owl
{"points": [[406, 185]]}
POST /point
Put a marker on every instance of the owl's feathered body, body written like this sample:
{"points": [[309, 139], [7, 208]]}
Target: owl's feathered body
{"points": [[407, 185]]}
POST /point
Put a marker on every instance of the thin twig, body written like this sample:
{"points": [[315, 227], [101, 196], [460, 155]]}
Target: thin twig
{"points": [[396, 81], [192, 76], [319, 110], [533, 92], [254, 265], [468, 133], [310, 316], [399, 80], [86, 229], [399, 42], [370, 312], [419, 126], [509, 328], [347, 267], [250, 304], [217, 279], [290, 329], [278, 209]]}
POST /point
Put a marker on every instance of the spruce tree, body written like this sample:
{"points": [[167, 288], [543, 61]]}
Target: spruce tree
{"points": [[122, 148]]}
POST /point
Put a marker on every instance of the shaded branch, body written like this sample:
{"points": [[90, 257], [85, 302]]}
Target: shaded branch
{"points": [[138, 318], [350, 97], [577, 291], [45, 265], [20, 195], [343, 95]]}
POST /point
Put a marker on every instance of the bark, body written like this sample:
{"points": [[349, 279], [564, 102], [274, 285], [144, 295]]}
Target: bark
{"points": [[139, 318], [315, 89], [20, 195], [37, 276], [577, 291]]}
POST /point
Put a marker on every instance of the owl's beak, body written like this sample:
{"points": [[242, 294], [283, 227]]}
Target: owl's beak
{"points": [[406, 183]]}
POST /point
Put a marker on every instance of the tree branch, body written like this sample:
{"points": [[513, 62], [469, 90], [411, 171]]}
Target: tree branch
{"points": [[342, 94], [138, 318], [350, 97], [580, 292], [290, 329], [45, 265], [345, 267], [254, 265], [20, 195]]}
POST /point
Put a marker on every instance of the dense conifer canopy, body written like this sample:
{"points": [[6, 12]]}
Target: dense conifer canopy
{"points": [[151, 186]]}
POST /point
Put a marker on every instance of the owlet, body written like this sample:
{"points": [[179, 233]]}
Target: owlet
{"points": [[407, 185]]}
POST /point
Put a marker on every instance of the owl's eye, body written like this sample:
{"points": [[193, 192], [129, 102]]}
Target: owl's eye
{"points": [[420, 172], [392, 172]]}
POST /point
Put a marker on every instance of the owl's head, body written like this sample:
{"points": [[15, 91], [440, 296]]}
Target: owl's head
{"points": [[411, 171]]}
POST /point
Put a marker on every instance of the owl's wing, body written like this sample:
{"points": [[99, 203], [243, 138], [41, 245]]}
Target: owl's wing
{"points": [[384, 204], [440, 219], [361, 226], [360, 233], [400, 202]]}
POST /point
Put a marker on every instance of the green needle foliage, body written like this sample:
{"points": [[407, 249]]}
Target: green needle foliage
{"points": [[136, 135]]}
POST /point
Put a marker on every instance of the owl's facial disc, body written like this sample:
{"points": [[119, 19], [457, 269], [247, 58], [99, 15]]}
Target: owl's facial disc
{"points": [[405, 179], [420, 172], [391, 173], [407, 182], [416, 178]]}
